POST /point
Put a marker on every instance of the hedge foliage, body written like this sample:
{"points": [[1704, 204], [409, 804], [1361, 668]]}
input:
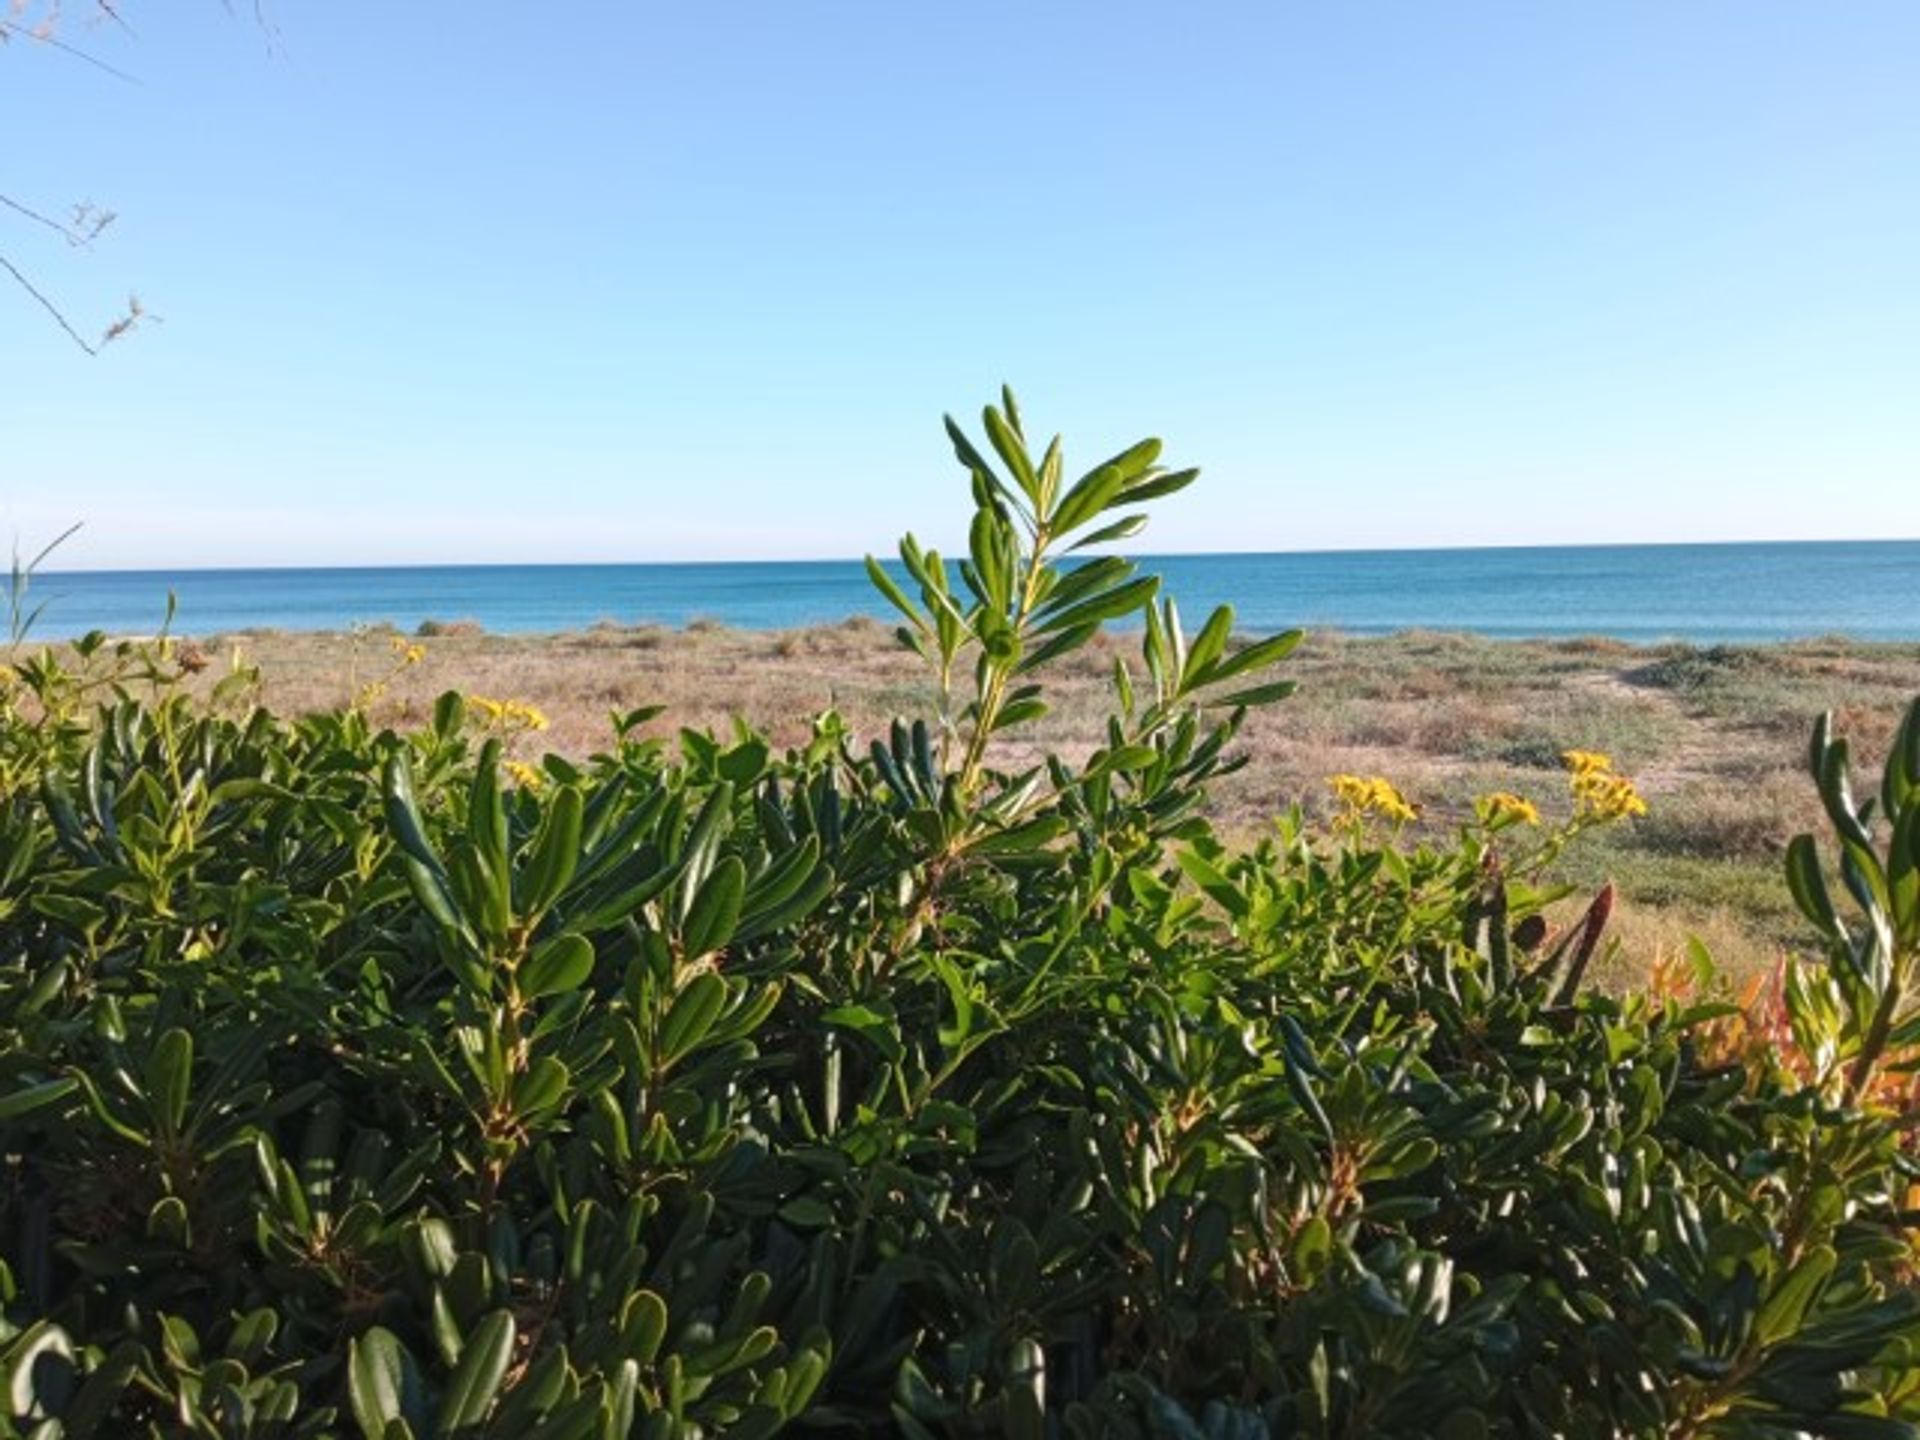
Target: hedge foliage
{"points": [[351, 1086]]}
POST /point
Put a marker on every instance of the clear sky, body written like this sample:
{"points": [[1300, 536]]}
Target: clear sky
{"points": [[636, 281]]}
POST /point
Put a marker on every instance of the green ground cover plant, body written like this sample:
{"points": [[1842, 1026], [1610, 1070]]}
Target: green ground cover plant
{"points": [[405, 1083]]}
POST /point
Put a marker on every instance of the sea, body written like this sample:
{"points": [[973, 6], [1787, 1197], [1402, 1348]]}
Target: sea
{"points": [[1705, 594]]}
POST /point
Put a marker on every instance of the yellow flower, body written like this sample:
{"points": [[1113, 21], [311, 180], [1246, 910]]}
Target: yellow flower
{"points": [[1392, 804], [1598, 795], [509, 714], [528, 777], [1371, 795], [1349, 790], [1503, 807]]}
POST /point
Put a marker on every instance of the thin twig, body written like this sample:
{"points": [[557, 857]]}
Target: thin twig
{"points": [[35, 216], [80, 232], [14, 27], [112, 12], [48, 305]]}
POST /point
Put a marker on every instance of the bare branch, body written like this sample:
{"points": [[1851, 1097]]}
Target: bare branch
{"points": [[136, 314], [35, 216], [85, 227], [48, 305], [41, 35], [112, 12]]}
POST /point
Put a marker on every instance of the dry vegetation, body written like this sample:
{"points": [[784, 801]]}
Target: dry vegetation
{"points": [[1715, 735]]}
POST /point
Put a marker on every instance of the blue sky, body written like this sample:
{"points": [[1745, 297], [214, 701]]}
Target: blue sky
{"points": [[604, 282]]}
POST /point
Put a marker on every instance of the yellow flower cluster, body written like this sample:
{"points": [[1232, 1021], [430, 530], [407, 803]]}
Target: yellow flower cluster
{"points": [[508, 714], [1371, 795], [527, 777], [1598, 793], [1503, 807], [409, 652]]}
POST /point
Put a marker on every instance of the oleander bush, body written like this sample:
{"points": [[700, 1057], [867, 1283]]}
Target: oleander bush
{"points": [[364, 1083]]}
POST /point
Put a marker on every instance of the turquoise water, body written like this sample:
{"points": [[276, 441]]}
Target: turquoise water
{"points": [[1705, 593]]}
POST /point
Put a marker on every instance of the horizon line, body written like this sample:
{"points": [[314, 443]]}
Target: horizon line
{"points": [[49, 572]]}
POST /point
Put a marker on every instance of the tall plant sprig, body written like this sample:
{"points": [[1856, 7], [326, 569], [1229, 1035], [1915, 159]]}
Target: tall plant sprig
{"points": [[20, 618], [1029, 598], [1875, 960]]}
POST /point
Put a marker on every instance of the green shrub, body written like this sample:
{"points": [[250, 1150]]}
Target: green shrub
{"points": [[1686, 668], [347, 1089]]}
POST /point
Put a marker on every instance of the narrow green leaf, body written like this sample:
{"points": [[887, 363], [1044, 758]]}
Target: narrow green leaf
{"points": [[31, 1097], [426, 875], [983, 546], [1207, 647], [1257, 656], [1786, 1307], [1837, 793], [1258, 694], [1135, 461], [1222, 891], [1062, 643], [1108, 605], [476, 1380], [715, 909], [1023, 839], [1010, 449], [1051, 465], [555, 853], [1809, 888], [710, 827], [1155, 487], [783, 878], [1089, 496], [896, 597], [403, 812], [487, 811], [801, 903], [692, 1016], [1126, 527], [1302, 1087], [378, 1369], [170, 1079], [1018, 712], [963, 449], [643, 1326], [543, 1087], [1085, 578], [557, 966]]}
